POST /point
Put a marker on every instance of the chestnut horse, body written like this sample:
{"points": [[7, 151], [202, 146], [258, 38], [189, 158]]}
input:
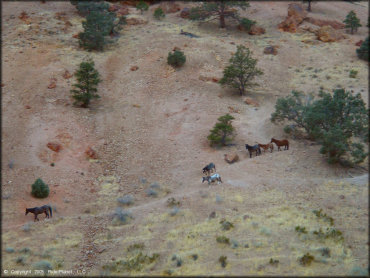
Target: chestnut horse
{"points": [[280, 143], [266, 146]]}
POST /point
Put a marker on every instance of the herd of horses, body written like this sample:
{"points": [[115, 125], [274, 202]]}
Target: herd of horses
{"points": [[255, 148]]}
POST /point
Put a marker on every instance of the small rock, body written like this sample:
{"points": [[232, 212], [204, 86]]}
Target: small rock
{"points": [[256, 30], [341, 197], [23, 16], [231, 158], [176, 48], [134, 68], [271, 49], [54, 146], [185, 13], [329, 34], [122, 11], [27, 107], [67, 75], [135, 20], [212, 215], [53, 84], [75, 35], [359, 43], [91, 153]]}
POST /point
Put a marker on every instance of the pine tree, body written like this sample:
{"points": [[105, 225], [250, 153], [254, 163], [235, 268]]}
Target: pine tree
{"points": [[217, 10], [87, 80], [222, 132], [241, 70], [352, 21], [40, 189]]}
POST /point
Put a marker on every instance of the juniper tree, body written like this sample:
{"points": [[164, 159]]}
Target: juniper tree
{"points": [[241, 70], [352, 21], [84, 8], [217, 10], [222, 132], [176, 59], [338, 121], [363, 51], [142, 6], [87, 80], [159, 14], [40, 189]]}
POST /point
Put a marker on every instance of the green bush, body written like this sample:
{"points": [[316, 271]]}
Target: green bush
{"points": [[176, 59], [222, 132], [43, 265], [40, 189], [241, 70], [306, 259], [223, 261], [338, 121], [247, 23], [363, 51], [159, 14], [353, 73], [223, 239], [142, 6], [226, 225], [87, 80], [86, 7]]}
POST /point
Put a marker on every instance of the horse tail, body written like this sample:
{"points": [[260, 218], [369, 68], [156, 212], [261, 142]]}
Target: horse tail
{"points": [[51, 212]]}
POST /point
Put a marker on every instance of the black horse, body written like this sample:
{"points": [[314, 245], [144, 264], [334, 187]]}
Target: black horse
{"points": [[40, 210], [209, 168], [253, 148]]}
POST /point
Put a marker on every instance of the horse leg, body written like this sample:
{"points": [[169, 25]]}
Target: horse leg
{"points": [[46, 214]]}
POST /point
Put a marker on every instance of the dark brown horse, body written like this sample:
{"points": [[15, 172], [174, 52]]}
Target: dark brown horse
{"points": [[266, 146], [40, 210], [280, 143]]}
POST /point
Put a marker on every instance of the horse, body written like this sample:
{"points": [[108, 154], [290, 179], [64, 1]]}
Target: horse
{"points": [[253, 148], [214, 177], [209, 168], [40, 210], [280, 143], [266, 146]]}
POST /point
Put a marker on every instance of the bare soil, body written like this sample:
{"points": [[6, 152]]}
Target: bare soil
{"points": [[150, 127]]}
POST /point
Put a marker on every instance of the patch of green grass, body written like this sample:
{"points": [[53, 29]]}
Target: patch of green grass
{"points": [[353, 73], [330, 233], [273, 262], [136, 246], [134, 263], [223, 239], [324, 216], [306, 259]]}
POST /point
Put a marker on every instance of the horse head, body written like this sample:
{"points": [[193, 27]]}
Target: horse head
{"points": [[26, 211], [206, 178]]}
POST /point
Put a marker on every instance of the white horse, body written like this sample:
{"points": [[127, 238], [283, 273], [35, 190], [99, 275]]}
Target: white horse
{"points": [[213, 178]]}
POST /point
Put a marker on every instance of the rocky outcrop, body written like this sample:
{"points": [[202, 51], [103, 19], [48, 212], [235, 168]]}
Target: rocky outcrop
{"points": [[296, 14], [320, 22], [256, 30], [91, 153], [135, 20], [329, 34]]}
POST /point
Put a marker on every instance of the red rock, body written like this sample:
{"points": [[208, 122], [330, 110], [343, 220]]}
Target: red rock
{"points": [[169, 7], [296, 14], [60, 15], [52, 84], [91, 153], [329, 34], [185, 13], [256, 30], [54, 146], [359, 43], [215, 79], [176, 48], [270, 50], [27, 107], [67, 75], [134, 68], [2, 84], [75, 36], [320, 22]]}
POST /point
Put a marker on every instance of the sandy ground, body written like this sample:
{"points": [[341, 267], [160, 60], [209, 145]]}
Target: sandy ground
{"points": [[150, 126]]}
